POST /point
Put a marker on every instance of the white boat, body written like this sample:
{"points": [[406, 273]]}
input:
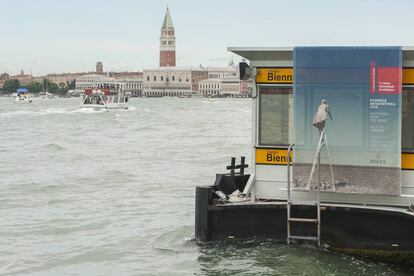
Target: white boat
{"points": [[23, 96], [197, 95], [100, 99], [44, 95]]}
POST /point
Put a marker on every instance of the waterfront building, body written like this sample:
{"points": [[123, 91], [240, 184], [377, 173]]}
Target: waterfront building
{"points": [[60, 78], [69, 77], [125, 75], [224, 87], [210, 87], [172, 81], [96, 81], [131, 87], [222, 72], [231, 87], [167, 42], [23, 78], [131, 82], [224, 82]]}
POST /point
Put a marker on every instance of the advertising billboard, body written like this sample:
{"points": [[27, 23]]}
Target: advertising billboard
{"points": [[348, 100]]}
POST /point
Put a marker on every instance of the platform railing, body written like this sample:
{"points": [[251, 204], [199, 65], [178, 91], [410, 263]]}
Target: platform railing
{"points": [[290, 148]]}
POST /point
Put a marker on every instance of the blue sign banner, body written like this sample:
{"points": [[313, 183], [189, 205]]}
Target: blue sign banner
{"points": [[347, 100]]}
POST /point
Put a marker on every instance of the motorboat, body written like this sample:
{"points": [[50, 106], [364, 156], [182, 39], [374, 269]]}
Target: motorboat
{"points": [[23, 96], [101, 99]]}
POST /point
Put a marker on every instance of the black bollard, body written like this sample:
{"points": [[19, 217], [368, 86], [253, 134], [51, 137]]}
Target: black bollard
{"points": [[242, 165], [232, 166], [202, 221]]}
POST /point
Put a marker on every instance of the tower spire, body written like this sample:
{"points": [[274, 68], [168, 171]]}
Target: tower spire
{"points": [[167, 41], [167, 23]]}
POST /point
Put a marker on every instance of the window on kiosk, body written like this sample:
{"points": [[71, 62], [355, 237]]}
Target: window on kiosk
{"points": [[275, 115]]}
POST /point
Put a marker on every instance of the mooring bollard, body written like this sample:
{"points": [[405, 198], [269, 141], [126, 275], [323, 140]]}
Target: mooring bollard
{"points": [[232, 166], [202, 221], [242, 165]]}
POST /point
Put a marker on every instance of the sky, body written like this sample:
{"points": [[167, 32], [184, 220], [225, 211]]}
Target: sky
{"points": [[56, 36]]}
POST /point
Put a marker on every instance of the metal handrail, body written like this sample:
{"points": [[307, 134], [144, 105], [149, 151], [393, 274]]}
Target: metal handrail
{"points": [[290, 148], [288, 192], [318, 205]]}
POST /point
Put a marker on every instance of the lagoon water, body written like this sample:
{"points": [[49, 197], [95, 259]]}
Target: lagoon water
{"points": [[112, 193]]}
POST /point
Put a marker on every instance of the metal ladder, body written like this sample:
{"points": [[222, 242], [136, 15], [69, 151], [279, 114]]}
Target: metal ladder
{"points": [[289, 205]]}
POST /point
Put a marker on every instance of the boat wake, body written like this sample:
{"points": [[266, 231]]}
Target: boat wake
{"points": [[48, 111], [17, 113]]}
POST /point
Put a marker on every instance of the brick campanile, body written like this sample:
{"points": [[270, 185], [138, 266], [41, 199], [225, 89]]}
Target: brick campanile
{"points": [[167, 42]]}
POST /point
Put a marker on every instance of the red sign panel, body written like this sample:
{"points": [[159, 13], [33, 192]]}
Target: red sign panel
{"points": [[389, 80]]}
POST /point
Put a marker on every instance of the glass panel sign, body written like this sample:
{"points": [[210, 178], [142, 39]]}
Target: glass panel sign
{"points": [[347, 102]]}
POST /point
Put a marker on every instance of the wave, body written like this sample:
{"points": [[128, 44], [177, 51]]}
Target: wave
{"points": [[88, 110], [15, 113], [48, 111], [175, 241], [54, 147]]}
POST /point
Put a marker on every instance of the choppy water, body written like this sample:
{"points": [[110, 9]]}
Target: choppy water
{"points": [[112, 193]]}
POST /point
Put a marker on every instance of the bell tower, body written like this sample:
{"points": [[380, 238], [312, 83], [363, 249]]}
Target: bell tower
{"points": [[167, 42]]}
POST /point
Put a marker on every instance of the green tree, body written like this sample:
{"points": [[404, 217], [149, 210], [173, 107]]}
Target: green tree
{"points": [[34, 87], [63, 88], [71, 84], [53, 88], [10, 86]]}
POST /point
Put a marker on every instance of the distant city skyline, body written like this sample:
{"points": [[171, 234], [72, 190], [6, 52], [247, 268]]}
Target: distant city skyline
{"points": [[56, 36]]}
